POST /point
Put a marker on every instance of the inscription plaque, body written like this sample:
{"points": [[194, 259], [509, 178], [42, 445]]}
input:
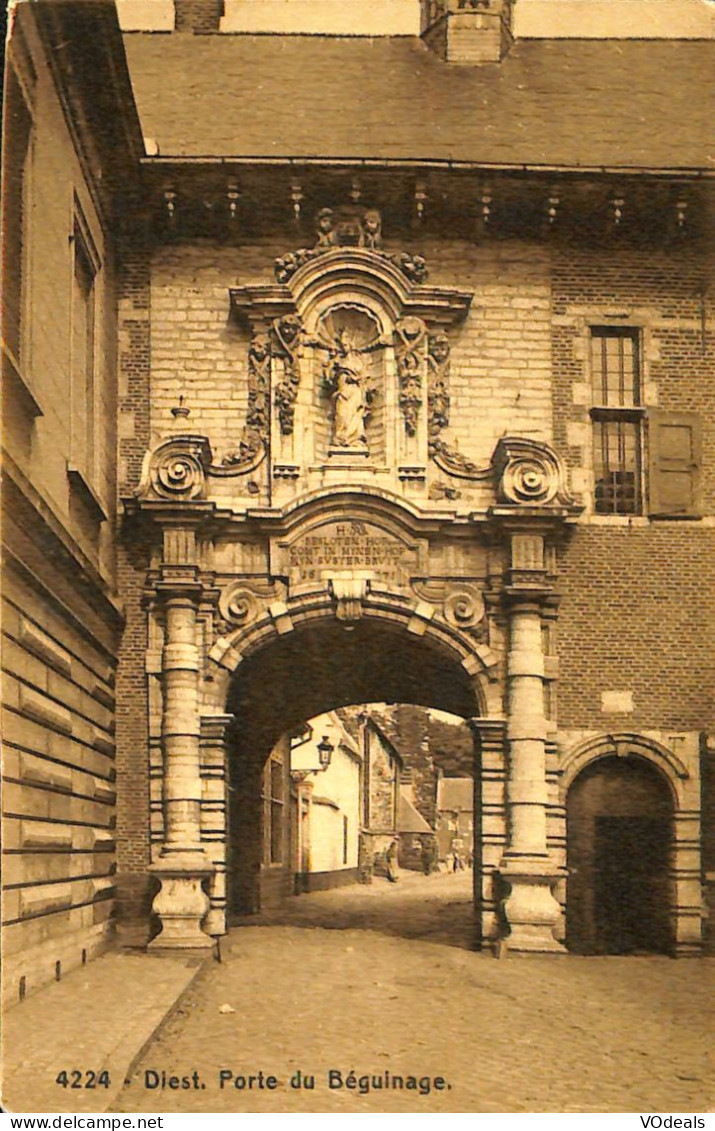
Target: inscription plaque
{"points": [[346, 545]]}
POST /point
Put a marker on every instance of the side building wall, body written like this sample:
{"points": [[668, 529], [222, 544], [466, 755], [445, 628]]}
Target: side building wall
{"points": [[61, 618]]}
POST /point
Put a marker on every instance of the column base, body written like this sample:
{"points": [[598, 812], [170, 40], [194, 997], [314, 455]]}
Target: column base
{"points": [[181, 903], [530, 908]]}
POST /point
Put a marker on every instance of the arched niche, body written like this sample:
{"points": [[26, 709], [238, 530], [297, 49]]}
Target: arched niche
{"points": [[620, 838]]}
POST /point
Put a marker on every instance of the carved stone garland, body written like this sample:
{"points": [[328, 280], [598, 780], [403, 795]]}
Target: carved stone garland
{"points": [[254, 442], [286, 333], [445, 455], [410, 348]]}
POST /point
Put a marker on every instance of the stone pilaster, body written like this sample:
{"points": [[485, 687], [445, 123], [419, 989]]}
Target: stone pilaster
{"points": [[533, 509], [214, 813], [530, 907], [183, 866], [488, 735]]}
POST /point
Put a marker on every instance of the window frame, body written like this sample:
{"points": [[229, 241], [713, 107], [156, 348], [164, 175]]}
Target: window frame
{"points": [[84, 379], [629, 411]]}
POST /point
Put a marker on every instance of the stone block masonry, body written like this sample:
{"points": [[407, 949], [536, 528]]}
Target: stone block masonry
{"points": [[501, 354]]}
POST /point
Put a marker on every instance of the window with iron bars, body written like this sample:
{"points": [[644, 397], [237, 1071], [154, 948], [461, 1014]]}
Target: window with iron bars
{"points": [[617, 415]]}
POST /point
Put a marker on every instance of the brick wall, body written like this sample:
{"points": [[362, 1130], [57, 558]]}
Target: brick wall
{"points": [[134, 889], [667, 294], [638, 596], [199, 16], [635, 592]]}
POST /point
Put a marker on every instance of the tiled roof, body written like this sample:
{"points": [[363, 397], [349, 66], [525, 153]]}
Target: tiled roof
{"points": [[597, 103]]}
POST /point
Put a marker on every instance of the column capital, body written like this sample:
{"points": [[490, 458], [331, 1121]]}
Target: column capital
{"points": [[178, 584], [484, 727]]}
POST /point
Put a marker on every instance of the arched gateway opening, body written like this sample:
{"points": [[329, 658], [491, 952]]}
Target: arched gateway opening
{"points": [[318, 668], [620, 839]]}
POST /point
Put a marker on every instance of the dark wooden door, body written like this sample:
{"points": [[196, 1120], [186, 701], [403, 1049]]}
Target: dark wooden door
{"points": [[630, 878]]}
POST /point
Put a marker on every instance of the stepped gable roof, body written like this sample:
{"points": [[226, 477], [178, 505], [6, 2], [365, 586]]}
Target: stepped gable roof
{"points": [[595, 103], [455, 795]]}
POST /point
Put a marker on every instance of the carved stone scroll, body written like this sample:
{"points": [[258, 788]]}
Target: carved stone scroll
{"points": [[242, 601], [529, 473], [176, 469], [459, 603]]}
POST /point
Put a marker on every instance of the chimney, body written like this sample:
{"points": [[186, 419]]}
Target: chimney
{"points": [[468, 31], [198, 16]]}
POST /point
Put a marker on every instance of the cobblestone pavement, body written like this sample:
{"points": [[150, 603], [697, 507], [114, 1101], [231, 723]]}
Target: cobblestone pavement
{"points": [[395, 990], [96, 1019]]}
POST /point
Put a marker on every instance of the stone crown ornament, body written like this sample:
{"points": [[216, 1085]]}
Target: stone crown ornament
{"points": [[349, 226]]}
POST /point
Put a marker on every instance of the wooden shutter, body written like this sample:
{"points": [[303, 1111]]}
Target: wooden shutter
{"points": [[674, 464]]}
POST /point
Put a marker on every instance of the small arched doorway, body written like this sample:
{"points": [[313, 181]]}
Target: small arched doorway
{"points": [[619, 822], [319, 667]]}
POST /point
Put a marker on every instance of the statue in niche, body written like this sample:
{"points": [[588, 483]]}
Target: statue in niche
{"points": [[351, 399], [348, 337]]}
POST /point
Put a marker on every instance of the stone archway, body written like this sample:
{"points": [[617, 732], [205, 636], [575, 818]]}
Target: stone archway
{"points": [[620, 840], [319, 667], [307, 523]]}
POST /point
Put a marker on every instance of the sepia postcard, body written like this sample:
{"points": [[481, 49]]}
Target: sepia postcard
{"points": [[358, 533]]}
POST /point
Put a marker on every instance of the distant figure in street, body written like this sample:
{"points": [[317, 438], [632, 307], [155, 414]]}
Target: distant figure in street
{"points": [[391, 860], [428, 860]]}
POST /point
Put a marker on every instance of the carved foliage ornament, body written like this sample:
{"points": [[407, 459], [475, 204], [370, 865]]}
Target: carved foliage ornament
{"points": [[529, 473], [176, 469], [349, 226]]}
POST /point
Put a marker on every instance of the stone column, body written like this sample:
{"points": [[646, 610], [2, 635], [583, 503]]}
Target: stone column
{"points": [[526, 866], [182, 867]]}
